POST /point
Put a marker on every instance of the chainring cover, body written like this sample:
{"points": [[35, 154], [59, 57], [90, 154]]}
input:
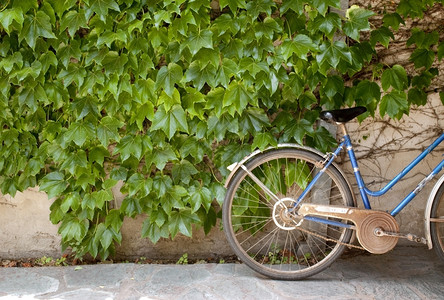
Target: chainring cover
{"points": [[367, 237]]}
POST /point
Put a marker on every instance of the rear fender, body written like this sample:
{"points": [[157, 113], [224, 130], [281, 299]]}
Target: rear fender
{"points": [[235, 166]]}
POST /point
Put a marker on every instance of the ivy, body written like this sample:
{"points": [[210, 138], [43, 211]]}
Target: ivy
{"points": [[163, 95]]}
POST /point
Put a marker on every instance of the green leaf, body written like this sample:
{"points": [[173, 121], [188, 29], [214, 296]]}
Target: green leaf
{"points": [[357, 21], [333, 86], [200, 75], [218, 127], [35, 26], [263, 140], [160, 157], [137, 183], [323, 139], [253, 120], [98, 154], [395, 77], [130, 206], [328, 24], [173, 199], [368, 91], [25, 5], [199, 39], [167, 77], [74, 73], [75, 161], [73, 20], [169, 101], [423, 80], [300, 46], [298, 173], [322, 5], [194, 103], [109, 37], [195, 148], [130, 145], [67, 53], [199, 197], [34, 166], [73, 229], [79, 132], [267, 28], [333, 53], [295, 5], [393, 20], [441, 51], [8, 16], [114, 220], [207, 56], [423, 40], [101, 7], [414, 8], [417, 97], [48, 59], [181, 221], [85, 106], [53, 184], [297, 130], [381, 35], [394, 104], [71, 201], [9, 62], [114, 63], [441, 96], [106, 238], [170, 122], [183, 172], [96, 199], [422, 58], [232, 4], [153, 231], [226, 71], [238, 96], [108, 129], [254, 8]]}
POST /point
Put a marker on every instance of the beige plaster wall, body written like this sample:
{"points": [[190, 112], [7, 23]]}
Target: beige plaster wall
{"points": [[382, 146]]}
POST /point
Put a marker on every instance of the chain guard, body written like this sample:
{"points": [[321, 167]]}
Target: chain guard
{"points": [[367, 223]]}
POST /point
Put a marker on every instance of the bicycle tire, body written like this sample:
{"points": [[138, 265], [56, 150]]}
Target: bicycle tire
{"points": [[265, 244], [437, 228]]}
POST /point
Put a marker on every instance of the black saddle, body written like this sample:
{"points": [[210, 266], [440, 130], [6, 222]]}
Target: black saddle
{"points": [[342, 115]]}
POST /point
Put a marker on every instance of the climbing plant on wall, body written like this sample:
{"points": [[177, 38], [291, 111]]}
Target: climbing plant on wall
{"points": [[163, 95]]}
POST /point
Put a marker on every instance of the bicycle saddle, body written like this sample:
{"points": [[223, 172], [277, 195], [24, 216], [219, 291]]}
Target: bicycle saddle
{"points": [[342, 115]]}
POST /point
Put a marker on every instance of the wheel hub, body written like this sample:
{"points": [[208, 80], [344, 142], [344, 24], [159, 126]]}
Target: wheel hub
{"points": [[283, 217]]}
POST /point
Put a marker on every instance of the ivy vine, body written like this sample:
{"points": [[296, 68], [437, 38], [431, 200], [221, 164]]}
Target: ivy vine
{"points": [[163, 95]]}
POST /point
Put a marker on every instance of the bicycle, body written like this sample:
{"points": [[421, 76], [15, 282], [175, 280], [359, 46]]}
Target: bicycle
{"points": [[289, 212]]}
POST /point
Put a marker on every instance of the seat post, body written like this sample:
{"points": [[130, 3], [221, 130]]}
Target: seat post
{"points": [[342, 128]]}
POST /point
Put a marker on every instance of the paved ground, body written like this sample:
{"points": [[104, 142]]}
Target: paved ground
{"points": [[404, 273]]}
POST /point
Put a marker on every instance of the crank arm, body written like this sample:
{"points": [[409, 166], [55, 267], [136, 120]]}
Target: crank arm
{"points": [[409, 236]]}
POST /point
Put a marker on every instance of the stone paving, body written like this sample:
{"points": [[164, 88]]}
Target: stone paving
{"points": [[404, 273]]}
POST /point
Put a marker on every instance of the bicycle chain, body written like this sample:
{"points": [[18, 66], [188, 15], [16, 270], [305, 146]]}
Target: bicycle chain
{"points": [[330, 240]]}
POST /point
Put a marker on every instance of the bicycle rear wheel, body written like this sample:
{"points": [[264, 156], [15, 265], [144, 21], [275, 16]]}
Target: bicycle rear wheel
{"points": [[437, 223], [260, 231]]}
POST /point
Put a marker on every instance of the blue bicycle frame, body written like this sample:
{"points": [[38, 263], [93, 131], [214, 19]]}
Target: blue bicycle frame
{"points": [[363, 190]]}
